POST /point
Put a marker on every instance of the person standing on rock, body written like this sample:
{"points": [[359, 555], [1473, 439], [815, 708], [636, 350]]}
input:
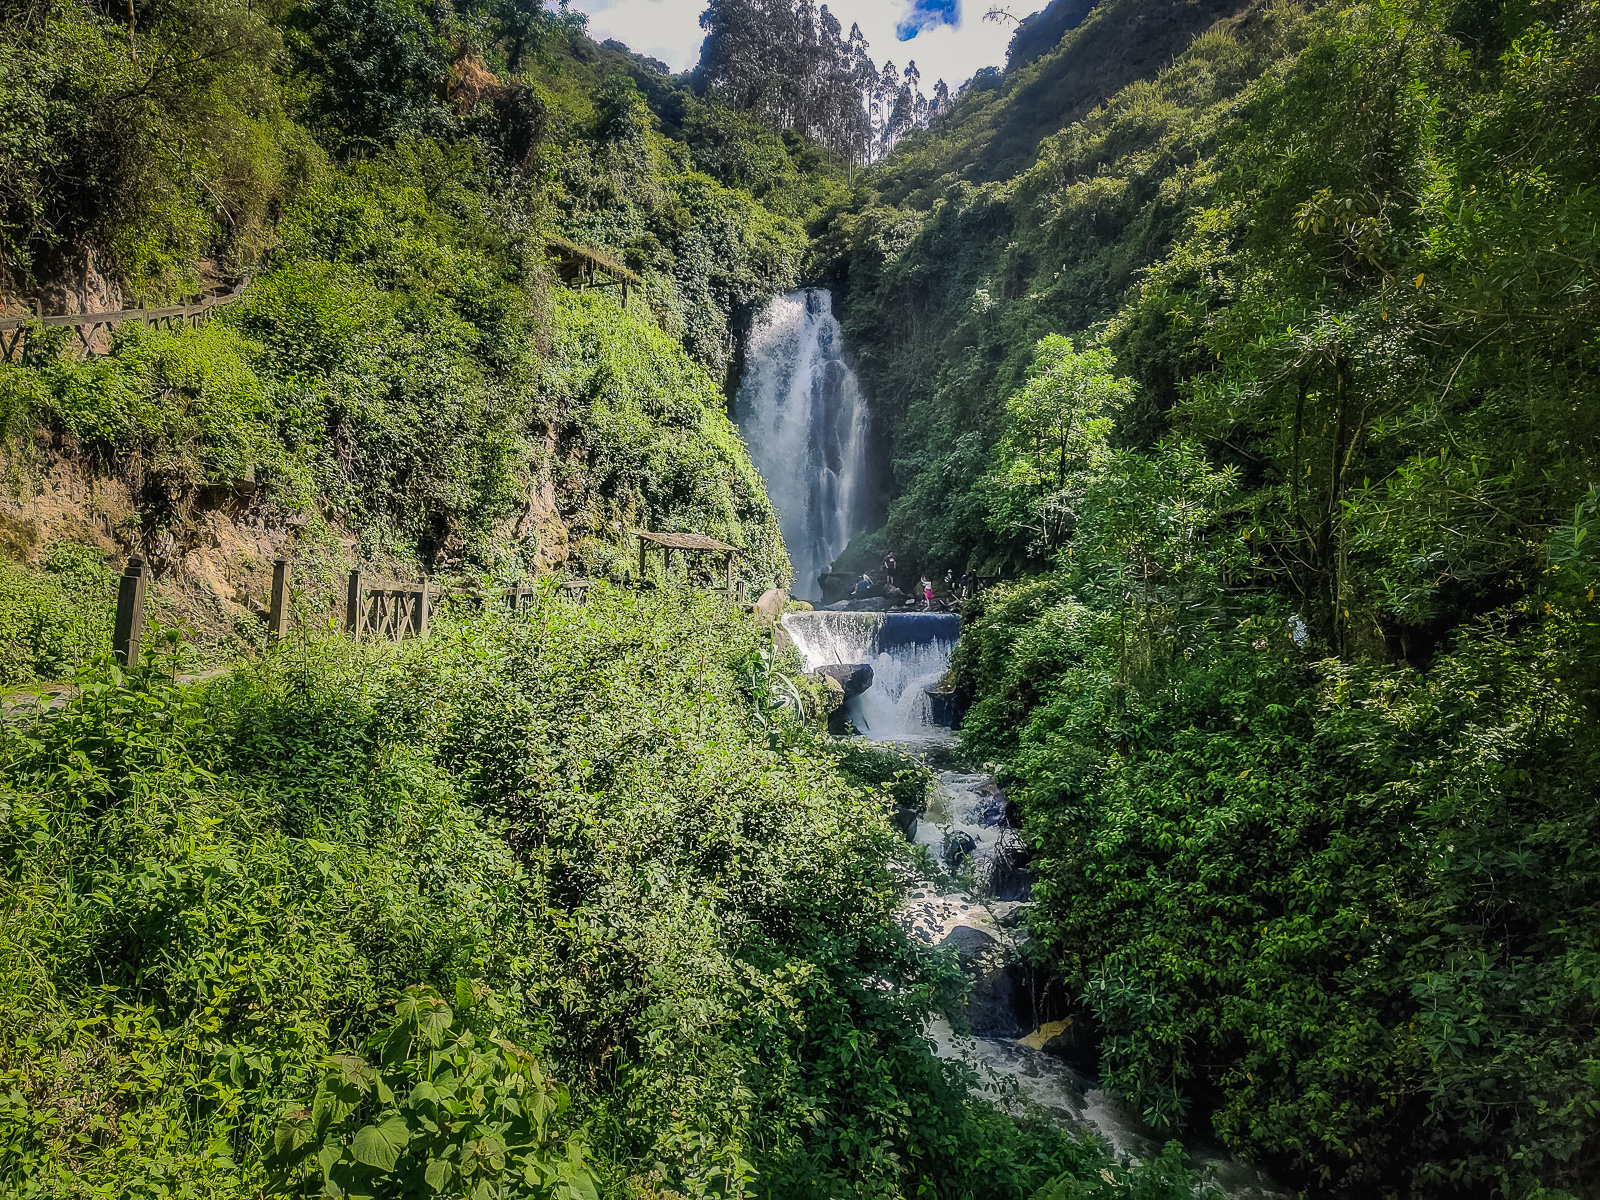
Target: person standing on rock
{"points": [[927, 593], [888, 570], [950, 582]]}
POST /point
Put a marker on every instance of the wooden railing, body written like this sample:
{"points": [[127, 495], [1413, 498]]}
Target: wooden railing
{"points": [[382, 611], [14, 330]]}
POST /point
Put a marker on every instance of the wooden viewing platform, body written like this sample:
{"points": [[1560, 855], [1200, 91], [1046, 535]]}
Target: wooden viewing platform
{"points": [[577, 266]]}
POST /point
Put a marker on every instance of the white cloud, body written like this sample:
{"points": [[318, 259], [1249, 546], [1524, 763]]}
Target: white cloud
{"points": [[670, 30]]}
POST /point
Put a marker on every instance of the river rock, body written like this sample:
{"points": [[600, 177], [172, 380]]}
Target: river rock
{"points": [[905, 820], [854, 678], [958, 847], [1075, 1041], [1002, 871], [836, 586], [976, 949], [1009, 914], [992, 1003]]}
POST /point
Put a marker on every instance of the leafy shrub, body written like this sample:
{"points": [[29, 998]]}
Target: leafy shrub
{"points": [[432, 1113], [212, 889], [54, 622], [1299, 897]]}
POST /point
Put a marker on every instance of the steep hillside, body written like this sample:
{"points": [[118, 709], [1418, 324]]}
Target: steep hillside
{"points": [[405, 380], [1001, 121], [943, 301], [1272, 388]]}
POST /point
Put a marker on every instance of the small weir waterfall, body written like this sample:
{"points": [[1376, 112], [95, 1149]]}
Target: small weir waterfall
{"points": [[803, 416], [908, 653]]}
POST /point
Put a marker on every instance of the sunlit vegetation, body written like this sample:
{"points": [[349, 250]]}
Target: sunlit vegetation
{"points": [[540, 902]]}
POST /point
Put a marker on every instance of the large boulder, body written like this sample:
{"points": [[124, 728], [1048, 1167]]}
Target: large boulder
{"points": [[771, 605], [854, 678], [992, 1003], [1076, 1041], [1001, 872], [836, 586]]}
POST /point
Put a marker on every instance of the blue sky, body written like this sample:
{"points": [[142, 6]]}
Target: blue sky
{"points": [[948, 39]]}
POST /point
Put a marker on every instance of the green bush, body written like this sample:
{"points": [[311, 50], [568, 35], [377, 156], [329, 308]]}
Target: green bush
{"points": [[213, 892], [1339, 913], [54, 622]]}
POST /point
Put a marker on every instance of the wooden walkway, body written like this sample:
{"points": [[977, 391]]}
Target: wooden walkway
{"points": [[14, 330]]}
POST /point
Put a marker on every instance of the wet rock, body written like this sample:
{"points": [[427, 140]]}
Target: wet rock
{"points": [[958, 848], [905, 820], [832, 694], [854, 678], [992, 1003], [836, 586], [944, 708], [974, 948], [1010, 914], [1002, 873], [1075, 1041]]}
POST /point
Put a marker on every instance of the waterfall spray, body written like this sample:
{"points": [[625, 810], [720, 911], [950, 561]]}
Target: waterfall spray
{"points": [[802, 415]]}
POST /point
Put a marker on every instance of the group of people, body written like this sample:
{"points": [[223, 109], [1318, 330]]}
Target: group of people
{"points": [[929, 601]]}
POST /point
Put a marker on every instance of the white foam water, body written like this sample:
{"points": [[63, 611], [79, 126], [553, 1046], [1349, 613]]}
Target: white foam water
{"points": [[800, 409], [905, 664]]}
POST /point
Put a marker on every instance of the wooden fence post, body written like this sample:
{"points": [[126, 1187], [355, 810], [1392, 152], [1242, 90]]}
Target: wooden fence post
{"points": [[278, 617], [422, 611], [352, 607], [130, 614]]}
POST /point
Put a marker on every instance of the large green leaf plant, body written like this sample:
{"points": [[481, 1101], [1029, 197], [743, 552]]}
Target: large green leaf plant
{"points": [[435, 1109]]}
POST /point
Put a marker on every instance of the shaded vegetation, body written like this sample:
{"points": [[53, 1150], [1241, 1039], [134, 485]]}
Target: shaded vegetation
{"points": [[1273, 383]]}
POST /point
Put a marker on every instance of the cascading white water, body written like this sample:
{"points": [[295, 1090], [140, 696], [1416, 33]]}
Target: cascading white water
{"points": [[908, 653], [803, 416]]}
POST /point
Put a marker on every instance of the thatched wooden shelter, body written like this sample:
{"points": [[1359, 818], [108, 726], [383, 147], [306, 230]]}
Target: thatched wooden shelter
{"points": [[585, 267], [686, 543]]}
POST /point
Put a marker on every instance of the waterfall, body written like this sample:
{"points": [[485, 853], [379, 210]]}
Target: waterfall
{"points": [[804, 419], [908, 652]]}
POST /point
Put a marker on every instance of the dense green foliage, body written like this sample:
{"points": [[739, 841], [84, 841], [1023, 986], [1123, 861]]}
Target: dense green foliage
{"points": [[1299, 697], [566, 843], [402, 369], [56, 620], [402, 363]]}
